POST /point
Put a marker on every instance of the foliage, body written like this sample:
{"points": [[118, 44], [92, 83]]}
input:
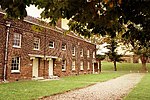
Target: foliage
{"points": [[100, 57], [113, 55]]}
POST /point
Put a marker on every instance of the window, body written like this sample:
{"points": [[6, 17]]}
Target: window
{"points": [[88, 65], [63, 65], [73, 51], [15, 64], [51, 44], [36, 43], [81, 65], [73, 65], [81, 52], [17, 40], [88, 53], [93, 54], [63, 46]]}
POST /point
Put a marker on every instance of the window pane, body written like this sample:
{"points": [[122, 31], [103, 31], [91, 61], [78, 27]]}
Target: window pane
{"points": [[51, 44], [36, 43], [15, 63], [17, 40]]}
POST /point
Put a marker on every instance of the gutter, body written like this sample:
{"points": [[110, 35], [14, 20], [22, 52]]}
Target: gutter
{"points": [[6, 49]]}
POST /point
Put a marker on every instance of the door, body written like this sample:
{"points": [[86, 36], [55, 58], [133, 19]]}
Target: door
{"points": [[35, 67], [51, 67]]}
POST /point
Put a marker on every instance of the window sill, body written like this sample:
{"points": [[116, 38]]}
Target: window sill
{"points": [[16, 46], [15, 72], [36, 49], [51, 47], [63, 70]]}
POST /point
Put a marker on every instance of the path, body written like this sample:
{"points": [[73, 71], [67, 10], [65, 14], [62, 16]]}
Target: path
{"points": [[113, 89]]}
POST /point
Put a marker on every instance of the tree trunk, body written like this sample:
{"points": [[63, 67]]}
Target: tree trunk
{"points": [[144, 60], [115, 67], [100, 67]]}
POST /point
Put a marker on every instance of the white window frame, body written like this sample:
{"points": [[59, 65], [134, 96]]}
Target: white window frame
{"points": [[53, 44], [73, 65], [81, 65], [16, 39], [63, 46], [38, 43], [88, 65], [15, 64], [73, 51], [63, 65], [81, 52], [94, 54], [88, 53]]}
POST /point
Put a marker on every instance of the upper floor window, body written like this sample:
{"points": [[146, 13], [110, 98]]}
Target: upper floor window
{"points": [[93, 54], [88, 65], [81, 65], [81, 52], [73, 51], [63, 46], [73, 65], [36, 43], [88, 53], [63, 65], [15, 64], [51, 44], [17, 40]]}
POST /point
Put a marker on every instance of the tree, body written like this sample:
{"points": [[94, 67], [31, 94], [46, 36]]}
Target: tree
{"points": [[137, 33], [113, 55], [100, 58], [91, 16], [140, 46]]}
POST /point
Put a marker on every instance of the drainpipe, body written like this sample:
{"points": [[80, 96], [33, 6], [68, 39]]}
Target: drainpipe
{"points": [[6, 49]]}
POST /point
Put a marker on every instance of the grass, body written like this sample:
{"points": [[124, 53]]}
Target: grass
{"points": [[27, 90], [134, 67], [141, 92]]}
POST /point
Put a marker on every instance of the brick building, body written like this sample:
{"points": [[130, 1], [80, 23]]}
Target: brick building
{"points": [[33, 49]]}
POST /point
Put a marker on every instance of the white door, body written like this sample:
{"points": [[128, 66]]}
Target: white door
{"points": [[51, 67], [35, 67]]}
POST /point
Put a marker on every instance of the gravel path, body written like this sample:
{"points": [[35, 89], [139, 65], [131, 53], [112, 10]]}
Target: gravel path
{"points": [[114, 89]]}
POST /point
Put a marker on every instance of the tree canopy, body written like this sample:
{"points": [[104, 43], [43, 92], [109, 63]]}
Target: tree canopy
{"points": [[93, 16]]}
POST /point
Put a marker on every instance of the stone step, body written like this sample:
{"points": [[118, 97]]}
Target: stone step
{"points": [[38, 78], [53, 77]]}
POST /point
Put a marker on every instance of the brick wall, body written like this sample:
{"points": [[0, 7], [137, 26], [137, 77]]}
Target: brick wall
{"points": [[45, 35]]}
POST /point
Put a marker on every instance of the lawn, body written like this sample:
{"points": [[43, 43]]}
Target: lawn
{"points": [[27, 90], [141, 91], [129, 67]]}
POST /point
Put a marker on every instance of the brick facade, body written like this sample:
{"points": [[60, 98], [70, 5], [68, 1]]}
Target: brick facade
{"points": [[30, 28]]}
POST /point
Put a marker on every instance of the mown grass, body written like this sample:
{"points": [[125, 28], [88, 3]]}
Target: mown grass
{"points": [[27, 90], [141, 91], [129, 67]]}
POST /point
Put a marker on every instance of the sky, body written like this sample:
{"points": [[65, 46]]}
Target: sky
{"points": [[33, 11]]}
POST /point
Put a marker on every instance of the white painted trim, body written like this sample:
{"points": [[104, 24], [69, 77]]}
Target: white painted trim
{"points": [[41, 56]]}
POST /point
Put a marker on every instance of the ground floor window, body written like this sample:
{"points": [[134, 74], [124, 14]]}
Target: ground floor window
{"points": [[15, 64], [73, 65], [81, 65], [63, 65], [88, 65]]}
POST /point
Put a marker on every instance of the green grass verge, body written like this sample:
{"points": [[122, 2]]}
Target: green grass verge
{"points": [[141, 91], [27, 90], [134, 67]]}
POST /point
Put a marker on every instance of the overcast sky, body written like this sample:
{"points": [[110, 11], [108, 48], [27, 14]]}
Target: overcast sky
{"points": [[33, 11]]}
